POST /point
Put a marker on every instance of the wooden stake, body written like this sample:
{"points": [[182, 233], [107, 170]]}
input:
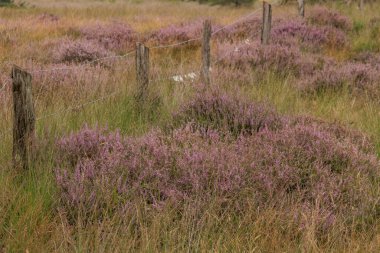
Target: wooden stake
{"points": [[206, 55], [267, 23], [301, 8], [142, 72], [24, 117]]}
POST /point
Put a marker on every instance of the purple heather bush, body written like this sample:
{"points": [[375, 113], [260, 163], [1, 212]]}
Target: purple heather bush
{"points": [[368, 58], [275, 57], [358, 77], [67, 50], [216, 110], [247, 29], [311, 36], [323, 16], [302, 166], [114, 36], [178, 33]]}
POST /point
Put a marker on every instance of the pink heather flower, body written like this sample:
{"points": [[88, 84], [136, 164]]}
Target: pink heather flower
{"points": [[68, 50], [113, 36], [290, 31], [323, 16], [281, 59], [297, 164], [178, 33]]}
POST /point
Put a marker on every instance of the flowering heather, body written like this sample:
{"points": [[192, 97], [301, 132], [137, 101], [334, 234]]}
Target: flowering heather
{"points": [[113, 36], [303, 164], [324, 16], [178, 33], [216, 110], [77, 51], [94, 159], [309, 35], [359, 77], [247, 29], [368, 58], [253, 56]]}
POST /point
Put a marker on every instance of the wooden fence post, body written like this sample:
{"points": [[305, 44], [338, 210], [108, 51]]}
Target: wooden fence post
{"points": [[24, 117], [267, 23], [206, 55], [361, 4], [301, 8], [142, 72]]}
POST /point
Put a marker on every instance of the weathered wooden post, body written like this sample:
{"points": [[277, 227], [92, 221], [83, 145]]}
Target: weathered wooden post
{"points": [[361, 4], [206, 55], [142, 72], [24, 117], [267, 23], [301, 8]]}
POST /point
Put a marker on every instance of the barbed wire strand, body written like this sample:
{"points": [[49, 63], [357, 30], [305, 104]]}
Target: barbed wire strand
{"points": [[5, 84], [86, 63], [237, 21]]}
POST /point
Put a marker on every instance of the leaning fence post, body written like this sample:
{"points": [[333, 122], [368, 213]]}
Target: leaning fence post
{"points": [[267, 23], [301, 8], [142, 72], [24, 117], [206, 56]]}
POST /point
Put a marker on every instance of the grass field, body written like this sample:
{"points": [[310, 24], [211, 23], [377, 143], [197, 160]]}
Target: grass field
{"points": [[315, 69]]}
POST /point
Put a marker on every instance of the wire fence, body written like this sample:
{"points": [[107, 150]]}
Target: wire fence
{"points": [[177, 78]]}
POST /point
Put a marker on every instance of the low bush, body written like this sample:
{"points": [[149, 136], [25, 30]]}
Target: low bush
{"points": [[323, 16], [303, 167], [224, 113], [281, 59], [67, 50], [309, 36], [113, 36], [358, 77], [246, 29], [178, 33]]}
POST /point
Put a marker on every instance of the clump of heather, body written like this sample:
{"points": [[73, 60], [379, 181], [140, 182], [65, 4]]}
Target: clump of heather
{"points": [[316, 169], [358, 77], [281, 59], [213, 109], [368, 58], [77, 51], [246, 29], [89, 162], [178, 33], [113, 36], [323, 16], [308, 35], [305, 166]]}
